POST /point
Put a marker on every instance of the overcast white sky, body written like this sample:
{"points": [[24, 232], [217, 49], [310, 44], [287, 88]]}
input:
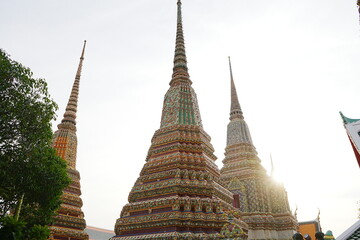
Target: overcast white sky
{"points": [[295, 64]]}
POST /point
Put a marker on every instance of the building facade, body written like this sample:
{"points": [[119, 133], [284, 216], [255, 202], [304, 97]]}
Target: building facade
{"points": [[309, 228]]}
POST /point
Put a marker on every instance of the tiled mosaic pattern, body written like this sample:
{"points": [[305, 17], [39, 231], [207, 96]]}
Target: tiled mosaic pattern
{"points": [[263, 203], [178, 194], [69, 223]]}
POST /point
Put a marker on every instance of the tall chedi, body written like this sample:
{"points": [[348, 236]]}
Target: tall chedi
{"points": [[69, 223], [263, 202], [178, 194]]}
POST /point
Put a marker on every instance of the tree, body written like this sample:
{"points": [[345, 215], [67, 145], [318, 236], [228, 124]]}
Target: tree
{"points": [[32, 176]]}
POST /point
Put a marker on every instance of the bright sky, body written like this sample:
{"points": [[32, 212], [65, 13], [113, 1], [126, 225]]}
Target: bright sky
{"points": [[295, 64]]}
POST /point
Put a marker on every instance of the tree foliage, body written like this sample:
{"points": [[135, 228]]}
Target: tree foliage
{"points": [[29, 167], [18, 230]]}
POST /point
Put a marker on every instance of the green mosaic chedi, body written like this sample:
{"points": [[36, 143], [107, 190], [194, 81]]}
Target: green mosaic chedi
{"points": [[178, 194]]}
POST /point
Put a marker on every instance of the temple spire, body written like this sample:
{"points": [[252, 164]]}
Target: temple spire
{"points": [[272, 167], [180, 173], [71, 107], [358, 5], [65, 144], [235, 109], [242, 170], [180, 69]]}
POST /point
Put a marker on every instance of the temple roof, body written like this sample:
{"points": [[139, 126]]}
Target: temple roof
{"points": [[98, 233], [352, 233]]}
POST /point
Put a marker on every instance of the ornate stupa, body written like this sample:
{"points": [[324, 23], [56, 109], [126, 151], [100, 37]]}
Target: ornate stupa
{"points": [[263, 202], [178, 194], [69, 223]]}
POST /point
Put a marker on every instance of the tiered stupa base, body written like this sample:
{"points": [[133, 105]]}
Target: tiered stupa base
{"points": [[269, 226], [172, 236], [61, 233], [69, 223], [178, 194]]}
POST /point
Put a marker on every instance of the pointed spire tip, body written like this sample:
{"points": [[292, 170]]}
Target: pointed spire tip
{"points": [[71, 108], [235, 109], [83, 50], [180, 69], [272, 166]]}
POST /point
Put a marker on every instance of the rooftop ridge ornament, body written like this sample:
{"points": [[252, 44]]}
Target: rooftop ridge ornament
{"points": [[235, 109], [71, 107], [352, 130], [346, 119]]}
